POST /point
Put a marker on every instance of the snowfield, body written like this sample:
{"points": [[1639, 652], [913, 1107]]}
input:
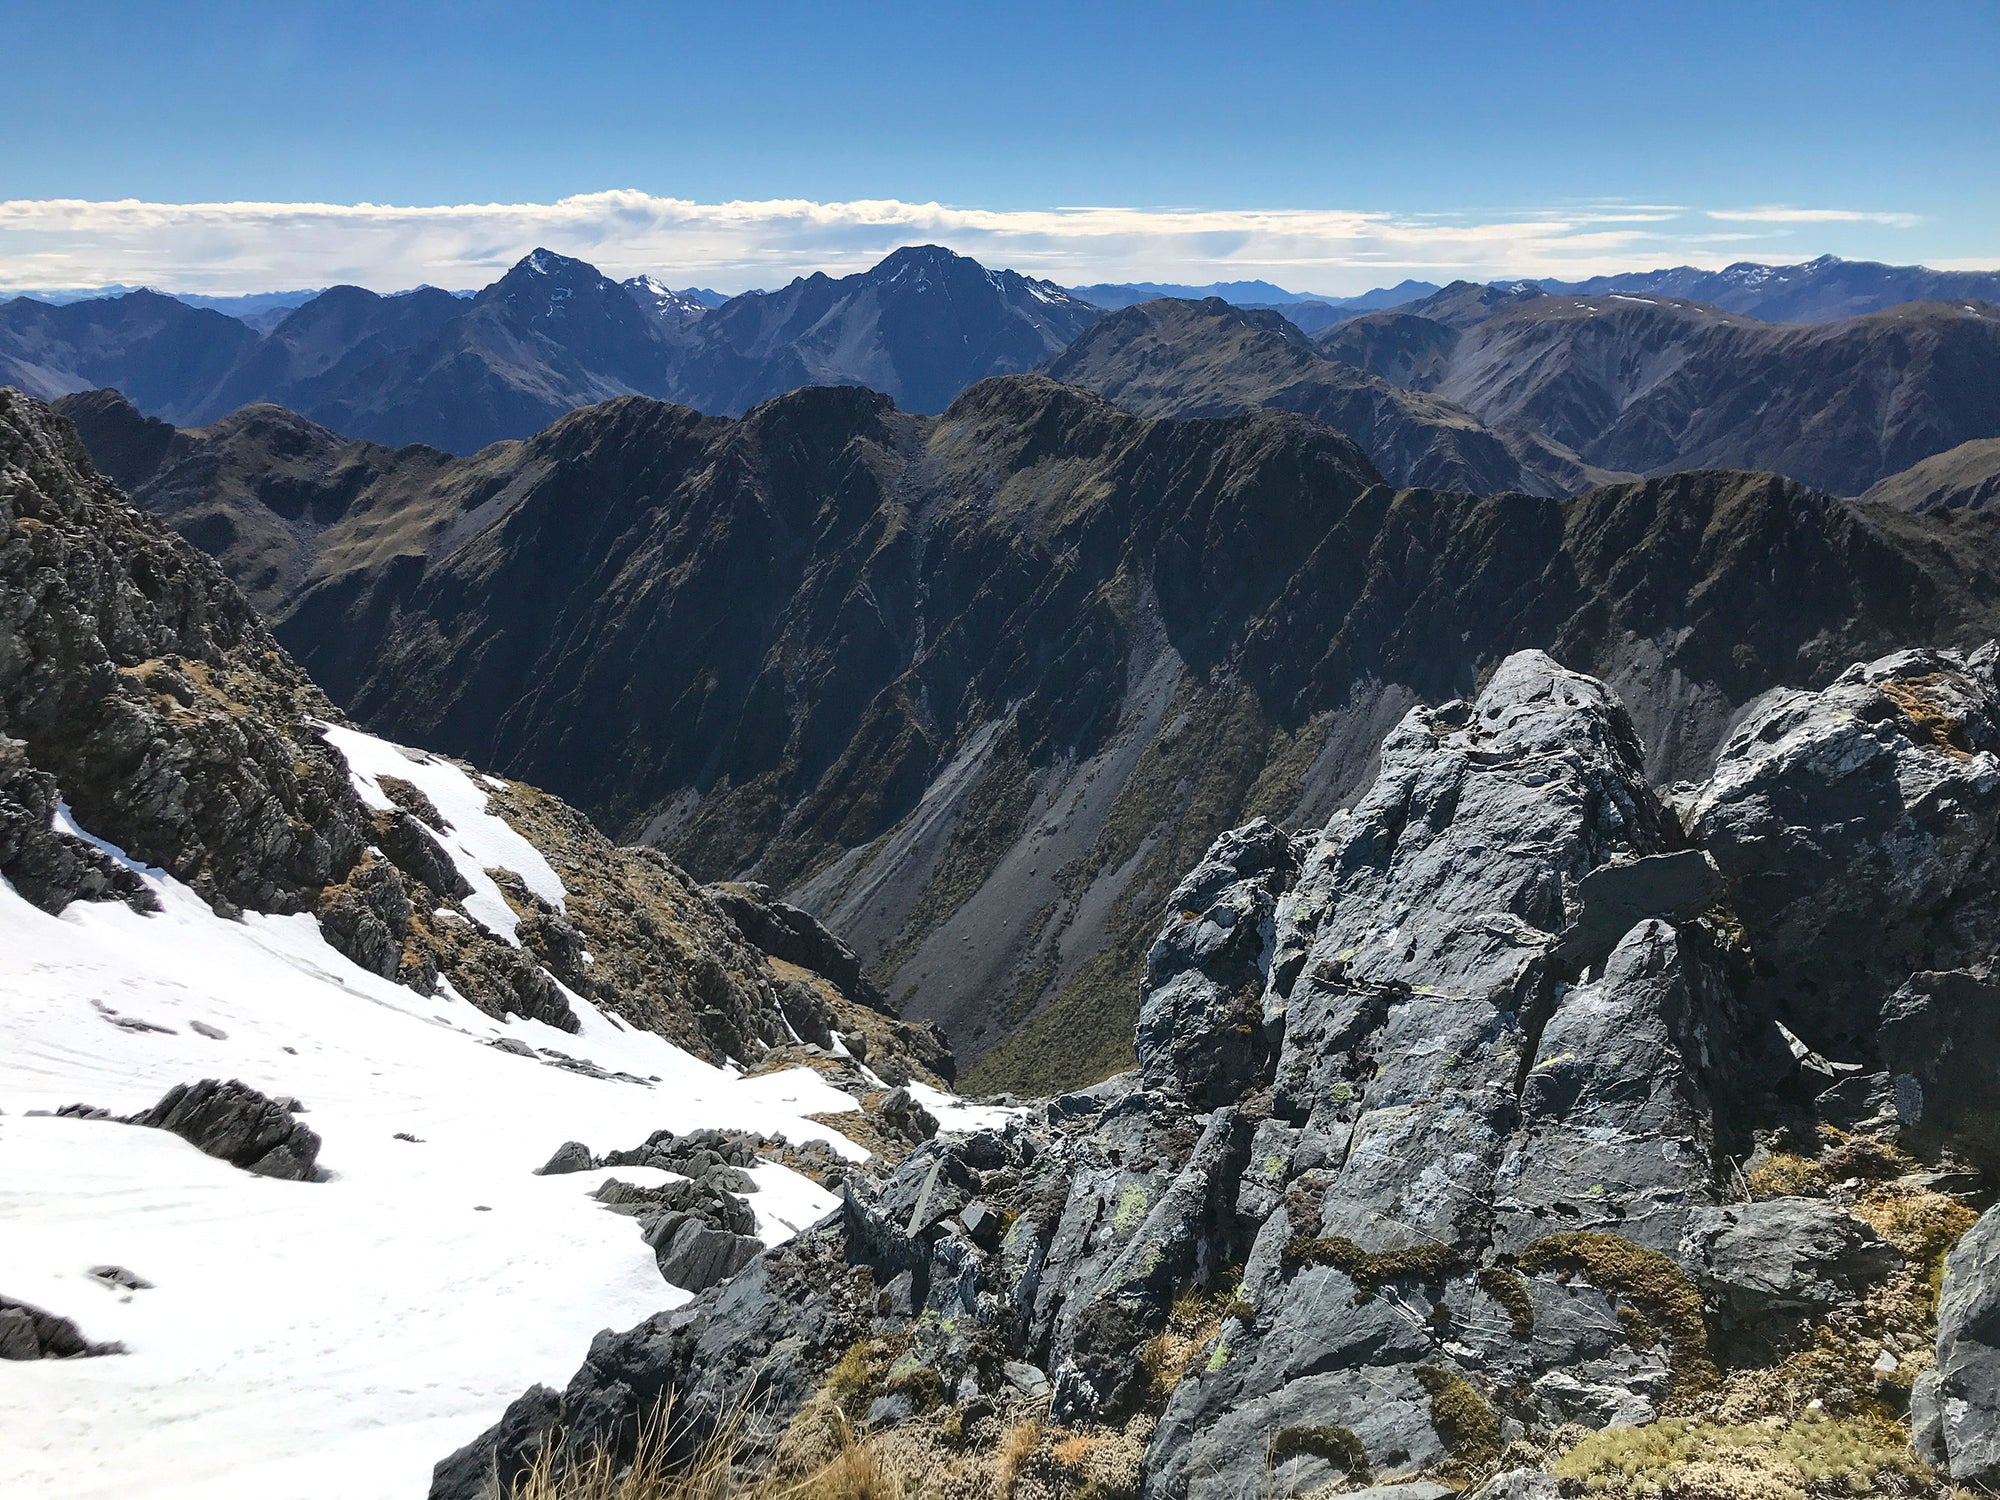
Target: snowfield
{"points": [[330, 1339]]}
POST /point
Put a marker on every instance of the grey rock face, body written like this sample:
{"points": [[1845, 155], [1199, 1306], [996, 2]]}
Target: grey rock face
{"points": [[1857, 830], [694, 1256], [119, 645], [1413, 957], [1939, 1043], [235, 1123], [1201, 1030], [1400, 1082], [1957, 1410], [1612, 899], [1624, 1057], [47, 867], [1783, 1255]]}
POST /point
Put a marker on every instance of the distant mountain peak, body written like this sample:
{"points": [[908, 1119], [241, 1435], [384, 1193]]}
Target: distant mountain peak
{"points": [[663, 302], [545, 267], [920, 255]]}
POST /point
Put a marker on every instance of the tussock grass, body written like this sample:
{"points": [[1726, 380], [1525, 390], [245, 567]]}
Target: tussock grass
{"points": [[1773, 1460], [665, 1466]]}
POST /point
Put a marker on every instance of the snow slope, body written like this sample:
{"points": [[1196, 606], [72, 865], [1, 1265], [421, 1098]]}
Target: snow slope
{"points": [[476, 840], [328, 1339]]}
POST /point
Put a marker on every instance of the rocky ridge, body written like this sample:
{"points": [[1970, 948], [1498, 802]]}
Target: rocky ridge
{"points": [[1521, 1128], [140, 691], [977, 689]]}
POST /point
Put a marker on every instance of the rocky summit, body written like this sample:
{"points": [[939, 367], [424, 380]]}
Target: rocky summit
{"points": [[1523, 1129]]}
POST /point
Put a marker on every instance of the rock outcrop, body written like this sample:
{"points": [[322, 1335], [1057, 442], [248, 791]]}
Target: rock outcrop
{"points": [[1956, 1408], [30, 1332], [1418, 1161], [1858, 829], [239, 1125]]}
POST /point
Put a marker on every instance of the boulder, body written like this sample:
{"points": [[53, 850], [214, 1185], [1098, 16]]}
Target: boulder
{"points": [[700, 1199], [900, 1111], [570, 1156], [694, 1256], [1858, 829], [1955, 1409], [1783, 1256], [981, 1224], [1612, 899], [237, 1124], [1939, 1042], [30, 1332]]}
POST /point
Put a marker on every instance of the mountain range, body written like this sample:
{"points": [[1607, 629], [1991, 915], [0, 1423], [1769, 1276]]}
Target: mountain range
{"points": [[1710, 1063], [1485, 387], [549, 336], [1645, 383], [1813, 291], [973, 687], [458, 372]]}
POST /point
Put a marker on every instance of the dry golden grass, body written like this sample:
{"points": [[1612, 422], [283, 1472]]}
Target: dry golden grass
{"points": [[1017, 1446], [655, 1472], [1771, 1460]]}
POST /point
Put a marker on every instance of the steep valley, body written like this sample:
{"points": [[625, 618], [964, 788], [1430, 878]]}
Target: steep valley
{"points": [[975, 689]]}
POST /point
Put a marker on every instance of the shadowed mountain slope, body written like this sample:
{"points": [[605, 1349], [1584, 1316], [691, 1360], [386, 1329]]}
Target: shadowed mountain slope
{"points": [[168, 357], [973, 688]]}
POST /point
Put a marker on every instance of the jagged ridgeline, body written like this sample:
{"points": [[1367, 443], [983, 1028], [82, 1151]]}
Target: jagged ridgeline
{"points": [[1522, 1129], [976, 689], [140, 690]]}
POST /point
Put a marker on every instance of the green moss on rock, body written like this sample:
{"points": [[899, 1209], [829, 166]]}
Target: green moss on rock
{"points": [[1651, 1282]]}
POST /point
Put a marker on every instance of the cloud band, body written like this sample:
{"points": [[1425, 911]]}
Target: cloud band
{"points": [[222, 248]]}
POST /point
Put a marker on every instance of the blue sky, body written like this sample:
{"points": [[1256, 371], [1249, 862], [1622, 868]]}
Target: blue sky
{"points": [[1457, 133]]}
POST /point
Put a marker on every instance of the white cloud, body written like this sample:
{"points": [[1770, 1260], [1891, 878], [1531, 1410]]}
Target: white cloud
{"points": [[1779, 215], [239, 247]]}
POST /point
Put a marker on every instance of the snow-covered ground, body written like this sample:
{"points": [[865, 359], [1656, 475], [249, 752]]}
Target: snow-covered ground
{"points": [[316, 1339]]}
